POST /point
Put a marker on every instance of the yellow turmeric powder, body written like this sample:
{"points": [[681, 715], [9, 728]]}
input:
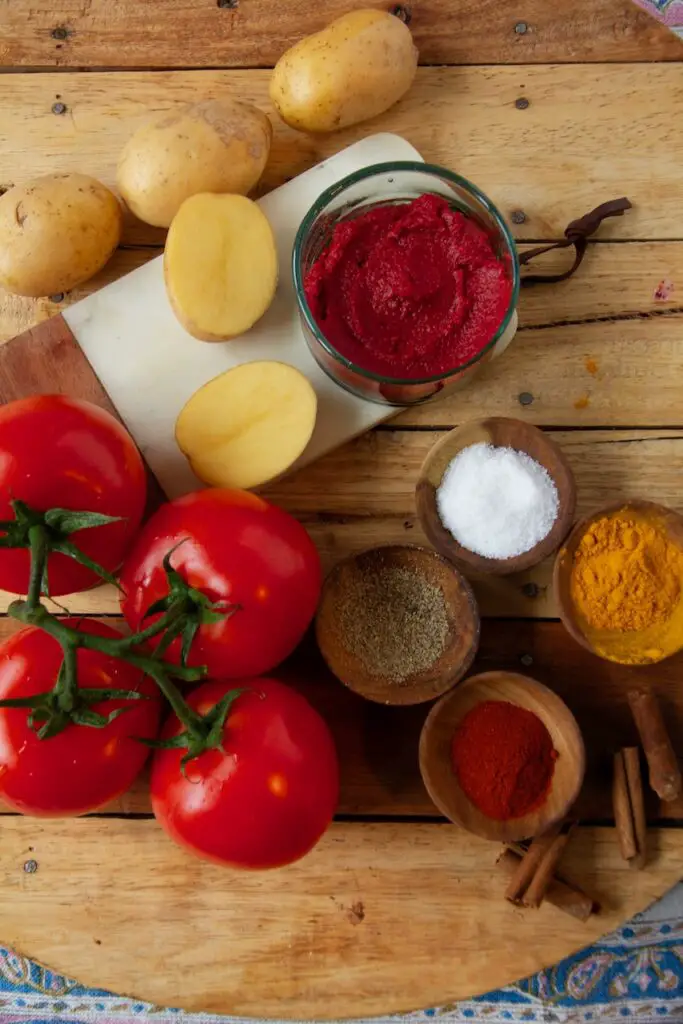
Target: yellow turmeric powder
{"points": [[626, 575]]}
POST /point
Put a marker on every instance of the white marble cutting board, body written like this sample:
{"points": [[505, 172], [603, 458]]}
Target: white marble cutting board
{"points": [[149, 365]]}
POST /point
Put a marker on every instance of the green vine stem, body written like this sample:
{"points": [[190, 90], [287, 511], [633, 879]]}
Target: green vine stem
{"points": [[66, 702], [121, 649], [182, 612], [68, 696], [39, 552]]}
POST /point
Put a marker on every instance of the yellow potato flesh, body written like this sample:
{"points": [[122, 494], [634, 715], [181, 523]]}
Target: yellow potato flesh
{"points": [[247, 426], [220, 265]]}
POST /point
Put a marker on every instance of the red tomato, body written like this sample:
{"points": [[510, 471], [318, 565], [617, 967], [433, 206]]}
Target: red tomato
{"points": [[81, 768], [267, 797], [56, 452], [237, 548]]}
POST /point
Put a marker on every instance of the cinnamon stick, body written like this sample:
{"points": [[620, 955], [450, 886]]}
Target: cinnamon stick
{"points": [[623, 817], [631, 756], [567, 898], [538, 886], [665, 774], [528, 865]]}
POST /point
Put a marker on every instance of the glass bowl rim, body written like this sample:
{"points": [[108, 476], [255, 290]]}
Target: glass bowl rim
{"points": [[394, 166]]}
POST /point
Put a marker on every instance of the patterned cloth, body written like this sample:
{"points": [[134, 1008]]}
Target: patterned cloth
{"points": [[668, 11], [634, 974]]}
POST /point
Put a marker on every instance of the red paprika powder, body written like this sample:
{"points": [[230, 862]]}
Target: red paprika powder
{"points": [[504, 759]]}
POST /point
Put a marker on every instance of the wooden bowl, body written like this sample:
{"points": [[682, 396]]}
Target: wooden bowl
{"points": [[499, 431], [461, 610], [629, 644], [442, 783]]}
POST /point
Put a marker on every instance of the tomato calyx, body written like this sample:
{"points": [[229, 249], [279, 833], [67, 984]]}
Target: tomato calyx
{"points": [[186, 608], [52, 711], [201, 732], [181, 612], [44, 533]]}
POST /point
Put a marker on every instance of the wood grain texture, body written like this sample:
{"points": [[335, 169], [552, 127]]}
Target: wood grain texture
{"points": [[378, 745], [335, 934], [602, 374], [573, 147], [174, 33], [47, 358], [376, 474], [616, 280], [363, 495], [623, 373]]}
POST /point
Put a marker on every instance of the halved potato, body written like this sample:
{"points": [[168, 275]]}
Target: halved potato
{"points": [[247, 426], [220, 265]]}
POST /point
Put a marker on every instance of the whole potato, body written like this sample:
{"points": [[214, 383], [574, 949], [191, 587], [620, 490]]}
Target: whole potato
{"points": [[212, 146], [56, 232], [354, 69]]}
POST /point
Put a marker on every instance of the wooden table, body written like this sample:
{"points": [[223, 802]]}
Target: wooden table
{"points": [[395, 909]]}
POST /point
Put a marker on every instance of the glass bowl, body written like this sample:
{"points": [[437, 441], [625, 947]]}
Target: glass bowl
{"points": [[378, 185]]}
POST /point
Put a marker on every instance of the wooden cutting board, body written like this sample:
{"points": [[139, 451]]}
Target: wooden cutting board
{"points": [[123, 348], [379, 918], [382, 916]]}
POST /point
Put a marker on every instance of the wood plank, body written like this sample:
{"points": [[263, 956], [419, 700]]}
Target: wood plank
{"points": [[578, 374], [116, 905], [173, 33], [622, 373], [49, 359], [612, 284], [362, 495], [570, 149], [377, 745], [376, 474], [18, 313]]}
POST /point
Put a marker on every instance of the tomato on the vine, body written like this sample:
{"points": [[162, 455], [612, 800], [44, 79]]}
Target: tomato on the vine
{"points": [[267, 795], [237, 552], [58, 452], [81, 768]]}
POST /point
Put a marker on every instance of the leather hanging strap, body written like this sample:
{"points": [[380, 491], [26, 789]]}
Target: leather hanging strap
{"points": [[576, 234]]}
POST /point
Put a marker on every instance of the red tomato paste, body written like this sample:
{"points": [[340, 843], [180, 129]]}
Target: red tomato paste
{"points": [[409, 290]]}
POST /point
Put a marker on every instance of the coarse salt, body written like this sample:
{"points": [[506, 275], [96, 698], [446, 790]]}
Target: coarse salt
{"points": [[496, 501]]}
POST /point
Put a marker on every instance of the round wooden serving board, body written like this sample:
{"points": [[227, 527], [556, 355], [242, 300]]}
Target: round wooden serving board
{"points": [[380, 918]]}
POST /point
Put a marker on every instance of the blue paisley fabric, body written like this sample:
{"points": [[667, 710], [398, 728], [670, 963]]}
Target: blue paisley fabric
{"points": [[632, 975], [668, 11]]}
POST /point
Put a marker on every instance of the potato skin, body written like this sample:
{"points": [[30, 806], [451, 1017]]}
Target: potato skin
{"points": [[212, 146], [354, 69], [56, 232]]}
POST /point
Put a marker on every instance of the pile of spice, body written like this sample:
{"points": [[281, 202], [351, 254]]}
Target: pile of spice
{"points": [[626, 579], [504, 759], [394, 621], [496, 501]]}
